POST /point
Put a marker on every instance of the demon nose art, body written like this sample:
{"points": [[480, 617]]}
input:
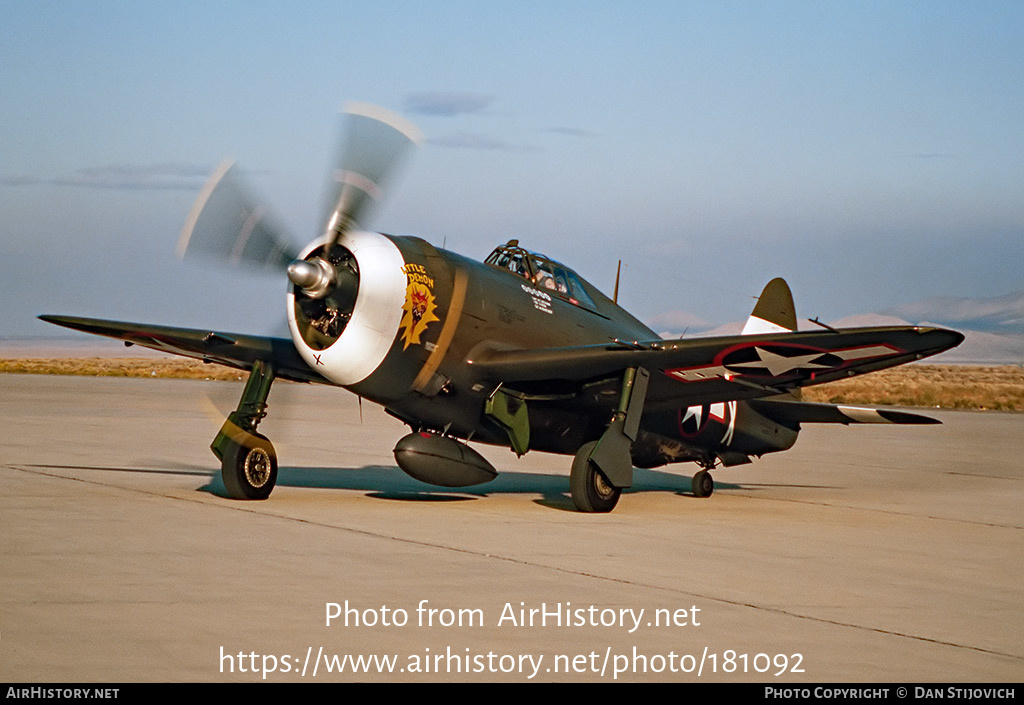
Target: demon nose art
{"points": [[419, 304]]}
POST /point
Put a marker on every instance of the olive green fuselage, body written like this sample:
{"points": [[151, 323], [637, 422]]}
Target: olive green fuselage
{"points": [[480, 308], [430, 381]]}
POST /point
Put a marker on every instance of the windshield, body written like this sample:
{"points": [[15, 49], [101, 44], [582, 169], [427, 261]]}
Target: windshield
{"points": [[543, 272]]}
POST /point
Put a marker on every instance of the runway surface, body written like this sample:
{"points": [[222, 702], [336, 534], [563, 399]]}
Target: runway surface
{"points": [[866, 553]]}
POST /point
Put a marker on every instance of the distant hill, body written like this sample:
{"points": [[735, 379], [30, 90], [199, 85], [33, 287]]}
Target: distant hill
{"points": [[978, 348], [1000, 314], [994, 327]]}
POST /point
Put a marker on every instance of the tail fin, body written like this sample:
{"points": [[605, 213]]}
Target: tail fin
{"points": [[774, 312]]}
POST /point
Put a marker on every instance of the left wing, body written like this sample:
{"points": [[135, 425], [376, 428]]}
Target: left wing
{"points": [[709, 370], [231, 349]]}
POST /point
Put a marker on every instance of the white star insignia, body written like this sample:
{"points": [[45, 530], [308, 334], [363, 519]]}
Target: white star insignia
{"points": [[780, 364]]}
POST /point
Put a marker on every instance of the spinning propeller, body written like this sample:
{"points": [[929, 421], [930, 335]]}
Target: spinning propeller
{"points": [[228, 224]]}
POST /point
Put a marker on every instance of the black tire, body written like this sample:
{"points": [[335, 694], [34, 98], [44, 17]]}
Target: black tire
{"points": [[249, 469], [703, 484], [590, 489]]}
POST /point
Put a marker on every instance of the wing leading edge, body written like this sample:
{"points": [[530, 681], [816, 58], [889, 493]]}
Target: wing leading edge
{"points": [[230, 349]]}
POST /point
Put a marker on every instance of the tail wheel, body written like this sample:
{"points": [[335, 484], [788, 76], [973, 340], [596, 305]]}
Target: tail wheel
{"points": [[249, 468], [590, 489], [703, 485]]}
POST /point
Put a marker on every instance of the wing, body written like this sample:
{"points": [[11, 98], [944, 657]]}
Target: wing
{"points": [[708, 370], [230, 349]]}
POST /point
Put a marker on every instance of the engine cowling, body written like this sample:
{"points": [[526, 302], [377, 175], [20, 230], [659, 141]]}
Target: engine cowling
{"points": [[346, 331]]}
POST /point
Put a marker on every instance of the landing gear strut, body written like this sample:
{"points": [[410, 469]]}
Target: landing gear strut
{"points": [[248, 460]]}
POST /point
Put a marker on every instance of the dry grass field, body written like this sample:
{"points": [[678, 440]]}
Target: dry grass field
{"points": [[171, 367], [934, 386]]}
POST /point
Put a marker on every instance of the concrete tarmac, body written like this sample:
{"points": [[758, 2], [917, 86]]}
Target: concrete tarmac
{"points": [[869, 553]]}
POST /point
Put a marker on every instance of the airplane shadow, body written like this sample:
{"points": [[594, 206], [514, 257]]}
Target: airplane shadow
{"points": [[389, 483]]}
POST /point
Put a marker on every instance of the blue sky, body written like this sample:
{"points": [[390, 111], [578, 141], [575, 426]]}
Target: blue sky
{"points": [[870, 152]]}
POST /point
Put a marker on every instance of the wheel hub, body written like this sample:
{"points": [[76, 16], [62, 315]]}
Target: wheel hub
{"points": [[257, 467], [604, 489]]}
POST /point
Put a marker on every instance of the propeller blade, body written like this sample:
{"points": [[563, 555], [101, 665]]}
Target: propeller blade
{"points": [[375, 142], [228, 224]]}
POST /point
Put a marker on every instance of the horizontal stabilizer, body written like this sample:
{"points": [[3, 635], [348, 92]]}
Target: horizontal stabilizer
{"points": [[792, 413]]}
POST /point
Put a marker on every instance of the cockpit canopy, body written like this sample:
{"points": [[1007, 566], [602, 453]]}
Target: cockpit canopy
{"points": [[542, 272]]}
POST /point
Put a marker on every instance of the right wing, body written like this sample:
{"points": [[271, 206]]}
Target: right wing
{"points": [[698, 371], [230, 349]]}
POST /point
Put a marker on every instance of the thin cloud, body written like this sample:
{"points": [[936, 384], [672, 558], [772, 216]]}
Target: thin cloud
{"points": [[475, 140], [158, 177], [932, 155], [571, 131], [446, 104]]}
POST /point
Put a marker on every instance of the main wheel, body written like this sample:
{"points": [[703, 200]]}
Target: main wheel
{"points": [[249, 468], [590, 489], [703, 485]]}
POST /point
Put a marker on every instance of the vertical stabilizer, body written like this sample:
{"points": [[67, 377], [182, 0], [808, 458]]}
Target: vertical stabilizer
{"points": [[774, 312]]}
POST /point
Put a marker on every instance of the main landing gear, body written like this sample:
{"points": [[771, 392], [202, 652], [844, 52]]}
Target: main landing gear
{"points": [[603, 468], [590, 489], [248, 460]]}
